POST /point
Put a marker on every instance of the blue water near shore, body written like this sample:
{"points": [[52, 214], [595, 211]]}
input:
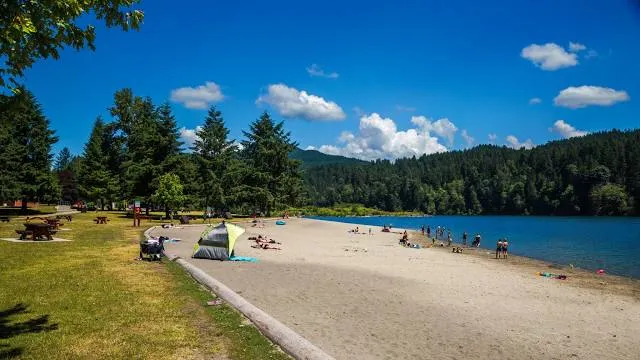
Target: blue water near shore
{"points": [[610, 243]]}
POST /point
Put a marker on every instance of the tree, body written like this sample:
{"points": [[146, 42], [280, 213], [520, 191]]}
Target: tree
{"points": [[273, 177], [214, 153], [170, 193], [609, 199], [26, 152], [63, 160], [32, 30], [97, 183]]}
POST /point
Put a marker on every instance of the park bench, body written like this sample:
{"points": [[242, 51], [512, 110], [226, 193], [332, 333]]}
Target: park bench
{"points": [[66, 217], [4, 218]]}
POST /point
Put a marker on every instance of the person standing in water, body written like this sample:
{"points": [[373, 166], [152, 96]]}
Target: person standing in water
{"points": [[464, 239], [449, 239], [498, 248], [428, 231]]}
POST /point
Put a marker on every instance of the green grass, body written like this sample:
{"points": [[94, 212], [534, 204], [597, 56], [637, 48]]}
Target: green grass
{"points": [[91, 299]]}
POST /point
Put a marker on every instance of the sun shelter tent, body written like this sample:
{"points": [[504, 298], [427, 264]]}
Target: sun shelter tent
{"points": [[217, 243]]}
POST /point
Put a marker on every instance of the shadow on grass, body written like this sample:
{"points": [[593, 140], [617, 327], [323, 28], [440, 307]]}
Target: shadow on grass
{"points": [[10, 328]]}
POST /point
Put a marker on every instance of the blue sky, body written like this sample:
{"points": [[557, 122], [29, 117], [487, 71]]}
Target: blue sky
{"points": [[390, 78]]}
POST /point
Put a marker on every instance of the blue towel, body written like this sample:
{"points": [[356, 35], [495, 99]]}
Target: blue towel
{"points": [[243, 258]]}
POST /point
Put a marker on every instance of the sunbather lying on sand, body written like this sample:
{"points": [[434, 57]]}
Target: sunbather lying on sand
{"points": [[265, 246]]}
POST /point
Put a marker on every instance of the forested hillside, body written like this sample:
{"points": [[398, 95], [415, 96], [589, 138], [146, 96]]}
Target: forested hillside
{"points": [[598, 174], [310, 158]]}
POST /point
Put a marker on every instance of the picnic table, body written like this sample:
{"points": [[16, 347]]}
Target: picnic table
{"points": [[4, 218], [66, 217], [54, 223], [37, 231], [101, 220]]}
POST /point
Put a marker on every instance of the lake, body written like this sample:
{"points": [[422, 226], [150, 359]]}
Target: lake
{"points": [[610, 243]]}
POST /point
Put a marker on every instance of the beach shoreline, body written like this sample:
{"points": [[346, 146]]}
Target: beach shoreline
{"points": [[367, 297]]}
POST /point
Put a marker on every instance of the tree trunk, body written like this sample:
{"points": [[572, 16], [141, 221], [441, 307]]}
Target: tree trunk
{"points": [[167, 215], [24, 205]]}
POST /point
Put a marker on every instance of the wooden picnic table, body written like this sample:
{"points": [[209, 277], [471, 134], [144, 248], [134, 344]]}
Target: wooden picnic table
{"points": [[101, 220], [66, 217], [54, 223], [37, 231]]}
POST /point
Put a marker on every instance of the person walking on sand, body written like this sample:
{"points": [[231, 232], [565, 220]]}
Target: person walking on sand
{"points": [[498, 248], [464, 239], [505, 245]]}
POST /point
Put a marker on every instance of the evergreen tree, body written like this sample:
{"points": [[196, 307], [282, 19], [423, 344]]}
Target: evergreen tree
{"points": [[214, 153], [274, 178], [97, 183], [63, 160], [26, 150]]}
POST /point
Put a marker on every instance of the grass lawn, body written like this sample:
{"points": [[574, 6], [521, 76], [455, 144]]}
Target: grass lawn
{"points": [[91, 299]]}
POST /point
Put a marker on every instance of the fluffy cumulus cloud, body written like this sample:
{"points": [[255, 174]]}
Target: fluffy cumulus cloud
{"points": [[492, 138], [566, 130], [467, 138], [379, 138], [316, 70], [576, 47], [535, 101], [514, 143], [583, 96], [189, 136], [199, 97], [292, 103], [549, 56], [443, 127]]}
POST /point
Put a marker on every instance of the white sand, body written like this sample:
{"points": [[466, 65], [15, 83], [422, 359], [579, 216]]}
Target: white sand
{"points": [[392, 302]]}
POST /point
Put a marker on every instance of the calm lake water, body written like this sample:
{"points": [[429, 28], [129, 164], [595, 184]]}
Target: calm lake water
{"points": [[592, 243]]}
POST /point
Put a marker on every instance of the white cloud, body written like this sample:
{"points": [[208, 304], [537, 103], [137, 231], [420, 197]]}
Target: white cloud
{"points": [[379, 137], [316, 70], [591, 54], [199, 97], [442, 127], [549, 56], [514, 143], [535, 101], [566, 130], [576, 47], [467, 138], [310, 148], [583, 96], [492, 138], [189, 136], [292, 103], [359, 112], [403, 108]]}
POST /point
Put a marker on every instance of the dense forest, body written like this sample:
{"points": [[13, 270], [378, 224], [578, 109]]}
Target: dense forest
{"points": [[598, 174], [126, 156]]}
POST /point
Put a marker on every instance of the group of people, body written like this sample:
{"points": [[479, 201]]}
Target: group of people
{"points": [[440, 232], [502, 248], [262, 242]]}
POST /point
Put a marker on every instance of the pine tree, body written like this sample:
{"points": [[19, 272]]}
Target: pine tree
{"points": [[169, 143], [274, 177], [26, 150], [97, 183], [214, 154], [63, 159]]}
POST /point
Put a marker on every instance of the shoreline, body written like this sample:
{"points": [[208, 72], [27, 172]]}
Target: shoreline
{"points": [[367, 297]]}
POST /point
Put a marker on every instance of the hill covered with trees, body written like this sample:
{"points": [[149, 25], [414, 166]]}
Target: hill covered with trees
{"points": [[598, 174], [310, 158]]}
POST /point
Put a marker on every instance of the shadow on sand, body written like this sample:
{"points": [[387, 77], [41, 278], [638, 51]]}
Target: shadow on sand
{"points": [[9, 328]]}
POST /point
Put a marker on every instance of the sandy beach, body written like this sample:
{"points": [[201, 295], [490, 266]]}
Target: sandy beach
{"points": [[366, 297]]}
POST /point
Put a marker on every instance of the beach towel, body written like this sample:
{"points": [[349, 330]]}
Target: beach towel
{"points": [[243, 258]]}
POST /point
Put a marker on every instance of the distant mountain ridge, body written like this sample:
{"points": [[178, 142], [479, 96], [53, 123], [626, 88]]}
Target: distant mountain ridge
{"points": [[311, 158]]}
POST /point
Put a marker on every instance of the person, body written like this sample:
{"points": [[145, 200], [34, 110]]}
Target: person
{"points": [[428, 231], [438, 232], [357, 230], [422, 230], [405, 238], [498, 248], [449, 239], [464, 239], [369, 231], [505, 245], [476, 242]]}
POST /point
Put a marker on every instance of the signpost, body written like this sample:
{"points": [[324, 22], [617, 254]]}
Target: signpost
{"points": [[136, 213]]}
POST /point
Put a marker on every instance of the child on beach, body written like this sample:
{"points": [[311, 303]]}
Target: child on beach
{"points": [[505, 245], [464, 239], [498, 248]]}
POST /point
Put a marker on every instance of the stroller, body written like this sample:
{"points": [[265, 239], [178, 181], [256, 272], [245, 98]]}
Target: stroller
{"points": [[152, 247]]}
